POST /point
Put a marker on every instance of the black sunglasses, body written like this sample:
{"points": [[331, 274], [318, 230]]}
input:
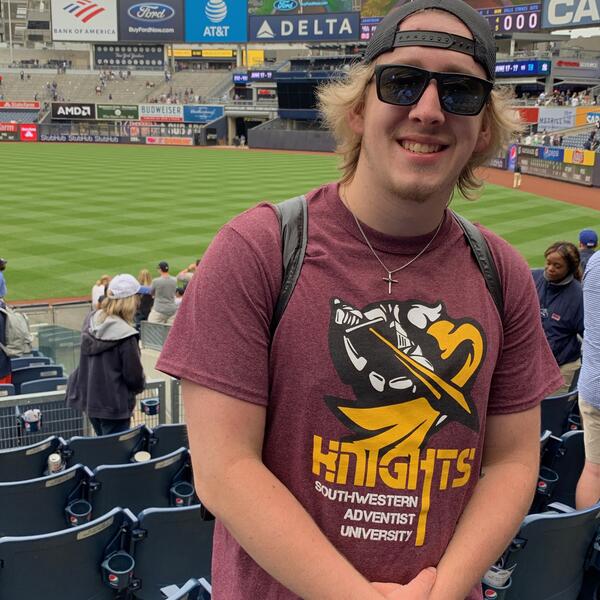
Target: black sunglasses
{"points": [[459, 94]]}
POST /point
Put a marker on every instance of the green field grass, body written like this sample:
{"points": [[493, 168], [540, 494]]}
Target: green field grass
{"points": [[72, 212]]}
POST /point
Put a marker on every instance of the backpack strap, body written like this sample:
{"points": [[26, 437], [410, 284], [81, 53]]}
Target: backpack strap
{"points": [[485, 261], [293, 224]]}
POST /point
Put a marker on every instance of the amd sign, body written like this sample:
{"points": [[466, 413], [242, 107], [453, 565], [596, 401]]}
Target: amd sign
{"points": [[570, 13], [61, 110], [305, 28]]}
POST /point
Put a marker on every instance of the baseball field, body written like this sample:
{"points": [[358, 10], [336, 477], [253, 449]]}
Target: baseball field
{"points": [[71, 212]]}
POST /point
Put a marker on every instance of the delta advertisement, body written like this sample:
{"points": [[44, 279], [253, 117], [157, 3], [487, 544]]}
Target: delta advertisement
{"points": [[84, 20], [216, 21], [155, 21], [567, 14]]}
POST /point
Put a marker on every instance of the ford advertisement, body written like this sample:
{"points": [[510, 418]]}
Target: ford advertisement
{"points": [[157, 21]]}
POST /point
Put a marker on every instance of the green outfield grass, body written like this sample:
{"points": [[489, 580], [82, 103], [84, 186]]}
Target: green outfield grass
{"points": [[72, 212]]}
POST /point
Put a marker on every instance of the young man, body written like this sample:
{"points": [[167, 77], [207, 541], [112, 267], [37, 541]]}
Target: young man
{"points": [[588, 243], [383, 441], [163, 291]]}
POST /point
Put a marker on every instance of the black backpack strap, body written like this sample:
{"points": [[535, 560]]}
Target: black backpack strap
{"points": [[485, 261], [293, 223]]}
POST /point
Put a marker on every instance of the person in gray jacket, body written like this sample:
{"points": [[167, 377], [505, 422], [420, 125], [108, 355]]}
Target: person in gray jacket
{"points": [[110, 371]]}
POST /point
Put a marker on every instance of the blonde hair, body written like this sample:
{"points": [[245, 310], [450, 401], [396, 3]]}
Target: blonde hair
{"points": [[144, 277], [337, 98], [104, 280], [124, 308]]}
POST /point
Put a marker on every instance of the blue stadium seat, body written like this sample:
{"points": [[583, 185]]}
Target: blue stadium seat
{"points": [[556, 410], [27, 462], [29, 361], [38, 386], [38, 505], [20, 376], [65, 565], [113, 449], [139, 485], [7, 389], [189, 540], [550, 553], [165, 439], [194, 589]]}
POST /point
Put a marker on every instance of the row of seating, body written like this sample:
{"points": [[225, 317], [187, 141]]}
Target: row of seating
{"points": [[118, 555], [28, 462], [78, 494], [34, 374]]}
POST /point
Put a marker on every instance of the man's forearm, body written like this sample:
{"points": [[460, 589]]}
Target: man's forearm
{"points": [[272, 526], [492, 517]]}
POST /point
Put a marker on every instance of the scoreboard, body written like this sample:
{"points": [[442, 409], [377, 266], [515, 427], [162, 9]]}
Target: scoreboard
{"points": [[516, 18]]}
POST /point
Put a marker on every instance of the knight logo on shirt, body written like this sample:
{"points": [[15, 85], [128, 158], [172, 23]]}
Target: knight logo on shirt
{"points": [[411, 368]]}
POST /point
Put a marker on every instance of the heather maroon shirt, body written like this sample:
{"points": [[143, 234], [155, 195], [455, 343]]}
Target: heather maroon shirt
{"points": [[377, 403]]}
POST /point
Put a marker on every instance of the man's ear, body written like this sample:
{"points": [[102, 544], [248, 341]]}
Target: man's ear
{"points": [[356, 120], [485, 134]]}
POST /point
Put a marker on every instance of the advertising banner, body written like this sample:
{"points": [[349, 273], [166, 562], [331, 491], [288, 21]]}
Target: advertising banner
{"points": [[368, 25], [287, 7], [81, 138], [202, 113], [9, 132], [161, 113], [28, 132], [587, 115], [117, 112], [566, 14], [20, 105], [576, 156], [553, 153], [73, 110], [512, 157], [129, 55], [170, 141], [529, 114], [553, 119], [151, 21], [216, 21], [84, 20], [573, 173], [305, 28], [575, 67], [522, 68]]}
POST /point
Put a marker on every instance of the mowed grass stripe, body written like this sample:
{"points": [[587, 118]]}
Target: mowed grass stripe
{"points": [[72, 212]]}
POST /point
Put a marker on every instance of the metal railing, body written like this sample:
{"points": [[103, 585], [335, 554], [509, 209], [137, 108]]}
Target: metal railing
{"points": [[153, 335], [57, 419]]}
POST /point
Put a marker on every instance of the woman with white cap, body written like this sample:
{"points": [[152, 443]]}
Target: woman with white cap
{"points": [[110, 371]]}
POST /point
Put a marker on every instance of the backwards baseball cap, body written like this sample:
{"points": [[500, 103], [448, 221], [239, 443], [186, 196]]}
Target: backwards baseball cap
{"points": [[3, 261], [482, 47], [123, 286], [589, 238], [163, 265]]}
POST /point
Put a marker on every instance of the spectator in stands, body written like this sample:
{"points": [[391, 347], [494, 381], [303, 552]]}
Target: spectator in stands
{"points": [[163, 291], [110, 371], [186, 274], [5, 369], [588, 243], [145, 297], [559, 291], [99, 291], [354, 393], [588, 487], [179, 295]]}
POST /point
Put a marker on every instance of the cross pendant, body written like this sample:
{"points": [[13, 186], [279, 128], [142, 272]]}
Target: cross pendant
{"points": [[389, 281]]}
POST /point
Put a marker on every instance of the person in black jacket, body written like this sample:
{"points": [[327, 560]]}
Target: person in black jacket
{"points": [[5, 370], [110, 371]]}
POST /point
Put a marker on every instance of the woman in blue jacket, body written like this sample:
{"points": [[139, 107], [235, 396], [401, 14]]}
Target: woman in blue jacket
{"points": [[560, 294]]}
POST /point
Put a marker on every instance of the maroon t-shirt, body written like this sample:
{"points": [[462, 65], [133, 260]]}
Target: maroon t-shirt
{"points": [[377, 403]]}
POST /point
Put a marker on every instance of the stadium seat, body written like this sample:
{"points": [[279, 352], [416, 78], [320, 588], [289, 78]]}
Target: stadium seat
{"points": [[20, 376], [165, 439], [27, 462], [140, 485], [29, 361], [544, 439], [7, 389], [549, 553], [556, 410], [38, 386], [38, 505], [189, 540], [566, 457], [194, 589], [113, 449], [64, 565]]}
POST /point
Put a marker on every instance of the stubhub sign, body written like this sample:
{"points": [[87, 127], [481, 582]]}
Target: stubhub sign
{"points": [[216, 21], [305, 28], [570, 13]]}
